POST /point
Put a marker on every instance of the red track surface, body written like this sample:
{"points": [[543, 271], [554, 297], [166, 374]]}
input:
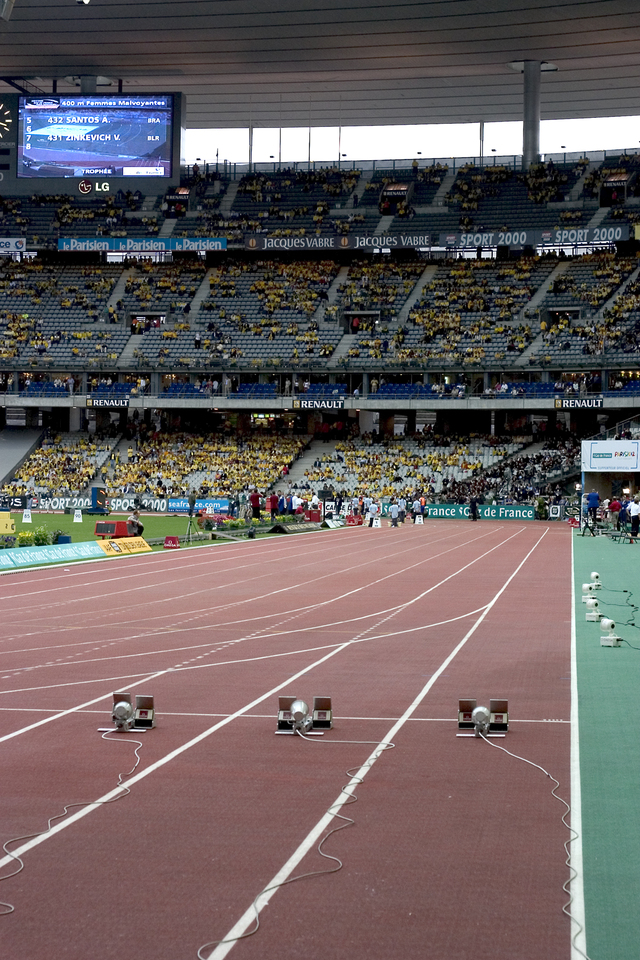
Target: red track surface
{"points": [[456, 852]]}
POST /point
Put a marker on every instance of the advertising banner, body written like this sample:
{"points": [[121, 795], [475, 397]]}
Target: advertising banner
{"points": [[579, 403], [259, 241], [535, 238], [124, 546], [396, 241], [460, 511], [181, 505], [12, 244], [108, 402], [610, 456], [318, 404], [63, 552], [143, 244]]}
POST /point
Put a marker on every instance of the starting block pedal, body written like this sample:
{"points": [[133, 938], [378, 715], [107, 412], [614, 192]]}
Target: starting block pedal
{"points": [[322, 713], [144, 717], [284, 715]]}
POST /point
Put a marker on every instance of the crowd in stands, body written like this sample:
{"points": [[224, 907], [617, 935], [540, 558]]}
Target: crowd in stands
{"points": [[474, 184], [546, 182], [439, 468], [63, 466], [174, 464]]}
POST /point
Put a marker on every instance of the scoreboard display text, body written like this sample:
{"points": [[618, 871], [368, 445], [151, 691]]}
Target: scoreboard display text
{"points": [[95, 136]]}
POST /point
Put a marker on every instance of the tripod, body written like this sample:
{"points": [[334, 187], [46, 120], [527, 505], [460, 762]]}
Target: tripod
{"points": [[190, 530]]}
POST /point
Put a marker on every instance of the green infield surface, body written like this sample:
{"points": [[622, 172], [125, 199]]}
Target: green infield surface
{"points": [[155, 526], [609, 737]]}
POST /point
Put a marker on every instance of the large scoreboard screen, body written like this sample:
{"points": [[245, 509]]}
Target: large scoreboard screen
{"points": [[95, 135]]}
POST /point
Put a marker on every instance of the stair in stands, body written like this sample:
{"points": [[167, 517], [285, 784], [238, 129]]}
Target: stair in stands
{"points": [[305, 462], [576, 190], [443, 189], [360, 189], [598, 217], [425, 278], [118, 291], [148, 204], [228, 200], [126, 360], [167, 228], [623, 286], [201, 294], [542, 291], [344, 345], [332, 295], [383, 226]]}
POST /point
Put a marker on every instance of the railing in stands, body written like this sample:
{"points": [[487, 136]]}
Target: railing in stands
{"points": [[235, 171]]}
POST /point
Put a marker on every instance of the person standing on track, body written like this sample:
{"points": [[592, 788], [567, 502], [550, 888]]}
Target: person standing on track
{"points": [[634, 513], [402, 509], [393, 513], [416, 508], [372, 511], [254, 500]]}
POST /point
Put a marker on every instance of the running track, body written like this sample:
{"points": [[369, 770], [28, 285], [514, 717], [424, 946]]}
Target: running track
{"points": [[456, 852]]}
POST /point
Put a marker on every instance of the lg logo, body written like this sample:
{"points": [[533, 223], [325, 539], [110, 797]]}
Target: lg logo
{"points": [[85, 187]]}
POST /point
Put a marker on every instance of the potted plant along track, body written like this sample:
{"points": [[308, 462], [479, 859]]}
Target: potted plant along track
{"points": [[25, 538]]}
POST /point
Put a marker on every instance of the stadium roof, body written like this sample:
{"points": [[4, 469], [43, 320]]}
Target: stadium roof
{"points": [[286, 63]]}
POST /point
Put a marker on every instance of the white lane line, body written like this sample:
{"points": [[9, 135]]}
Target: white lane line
{"points": [[186, 623], [178, 667], [182, 668], [65, 664], [187, 560], [356, 554], [576, 887], [96, 805], [189, 571], [270, 716], [314, 835], [19, 851]]}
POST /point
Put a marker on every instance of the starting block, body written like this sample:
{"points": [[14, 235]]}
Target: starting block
{"points": [[321, 715], [498, 721]]}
